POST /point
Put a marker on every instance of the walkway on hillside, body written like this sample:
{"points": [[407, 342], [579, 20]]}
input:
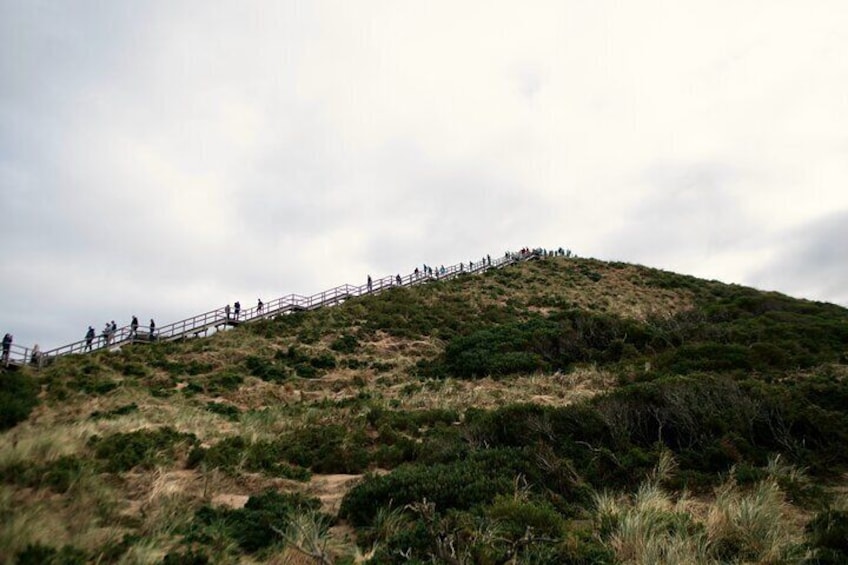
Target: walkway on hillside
{"points": [[217, 319]]}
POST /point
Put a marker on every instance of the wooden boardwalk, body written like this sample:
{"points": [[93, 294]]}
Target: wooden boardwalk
{"points": [[215, 320]]}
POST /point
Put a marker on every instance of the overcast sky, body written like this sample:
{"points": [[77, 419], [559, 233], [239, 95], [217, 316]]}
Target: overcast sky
{"points": [[165, 158]]}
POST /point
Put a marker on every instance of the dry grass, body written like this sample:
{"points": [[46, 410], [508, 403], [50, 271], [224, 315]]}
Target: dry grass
{"points": [[653, 526]]}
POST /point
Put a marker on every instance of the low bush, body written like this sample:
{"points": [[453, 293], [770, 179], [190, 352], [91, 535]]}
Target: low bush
{"points": [[234, 454], [459, 485], [327, 449], [115, 412], [18, 396], [40, 554], [228, 411], [256, 526], [345, 343], [142, 448], [828, 537]]}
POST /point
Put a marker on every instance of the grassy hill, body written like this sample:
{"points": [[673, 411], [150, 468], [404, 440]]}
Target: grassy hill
{"points": [[555, 411]]}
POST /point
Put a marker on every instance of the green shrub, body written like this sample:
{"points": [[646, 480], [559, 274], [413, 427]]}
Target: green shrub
{"points": [[460, 484], [516, 516], [115, 412], [326, 449], [828, 536], [257, 525], [39, 554], [265, 369], [228, 411], [18, 396], [233, 454], [345, 343], [187, 557], [225, 380], [141, 448]]}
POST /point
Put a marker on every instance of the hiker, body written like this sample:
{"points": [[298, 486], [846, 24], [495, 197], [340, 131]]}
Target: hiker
{"points": [[7, 347], [152, 330], [259, 305], [237, 309], [489, 259], [369, 283], [227, 311], [113, 329], [416, 272], [399, 280], [106, 333], [89, 337], [36, 354], [133, 326]]}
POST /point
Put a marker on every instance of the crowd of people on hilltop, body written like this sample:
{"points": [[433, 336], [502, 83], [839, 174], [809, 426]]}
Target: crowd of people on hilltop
{"points": [[111, 331]]}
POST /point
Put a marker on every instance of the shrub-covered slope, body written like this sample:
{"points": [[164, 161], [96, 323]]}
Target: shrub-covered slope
{"points": [[560, 410]]}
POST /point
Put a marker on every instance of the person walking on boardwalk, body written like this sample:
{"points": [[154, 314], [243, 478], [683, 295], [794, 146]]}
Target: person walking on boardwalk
{"points": [[399, 281], [133, 327], [35, 358], [7, 347], [152, 334], [259, 305], [89, 337], [227, 311], [237, 309], [369, 283]]}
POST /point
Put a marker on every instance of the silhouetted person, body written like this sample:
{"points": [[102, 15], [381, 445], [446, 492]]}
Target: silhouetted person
{"points": [[259, 305], [237, 309], [133, 326], [7, 347], [152, 330], [89, 337], [369, 283], [36, 354], [399, 280], [227, 311]]}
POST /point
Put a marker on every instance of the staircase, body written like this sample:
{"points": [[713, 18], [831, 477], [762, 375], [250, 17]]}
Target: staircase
{"points": [[217, 319]]}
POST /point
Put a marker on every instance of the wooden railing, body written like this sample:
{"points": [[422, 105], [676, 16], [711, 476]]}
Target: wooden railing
{"points": [[218, 318]]}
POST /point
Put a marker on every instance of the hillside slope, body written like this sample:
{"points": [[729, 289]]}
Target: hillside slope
{"points": [[487, 418]]}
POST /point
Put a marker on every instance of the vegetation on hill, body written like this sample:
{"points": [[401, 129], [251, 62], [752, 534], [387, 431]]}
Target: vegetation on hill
{"points": [[556, 411]]}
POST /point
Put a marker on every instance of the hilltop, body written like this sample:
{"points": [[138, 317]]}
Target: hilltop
{"points": [[553, 411]]}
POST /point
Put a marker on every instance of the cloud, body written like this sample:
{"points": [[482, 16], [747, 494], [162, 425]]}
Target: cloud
{"points": [[170, 157], [812, 261]]}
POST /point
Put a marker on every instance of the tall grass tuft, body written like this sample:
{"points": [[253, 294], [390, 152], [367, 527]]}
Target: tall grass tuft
{"points": [[650, 526]]}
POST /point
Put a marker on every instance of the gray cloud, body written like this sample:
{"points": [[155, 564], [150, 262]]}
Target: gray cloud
{"points": [[811, 261], [165, 158]]}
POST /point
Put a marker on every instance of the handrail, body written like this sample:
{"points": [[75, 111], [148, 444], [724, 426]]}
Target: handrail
{"points": [[218, 318]]}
